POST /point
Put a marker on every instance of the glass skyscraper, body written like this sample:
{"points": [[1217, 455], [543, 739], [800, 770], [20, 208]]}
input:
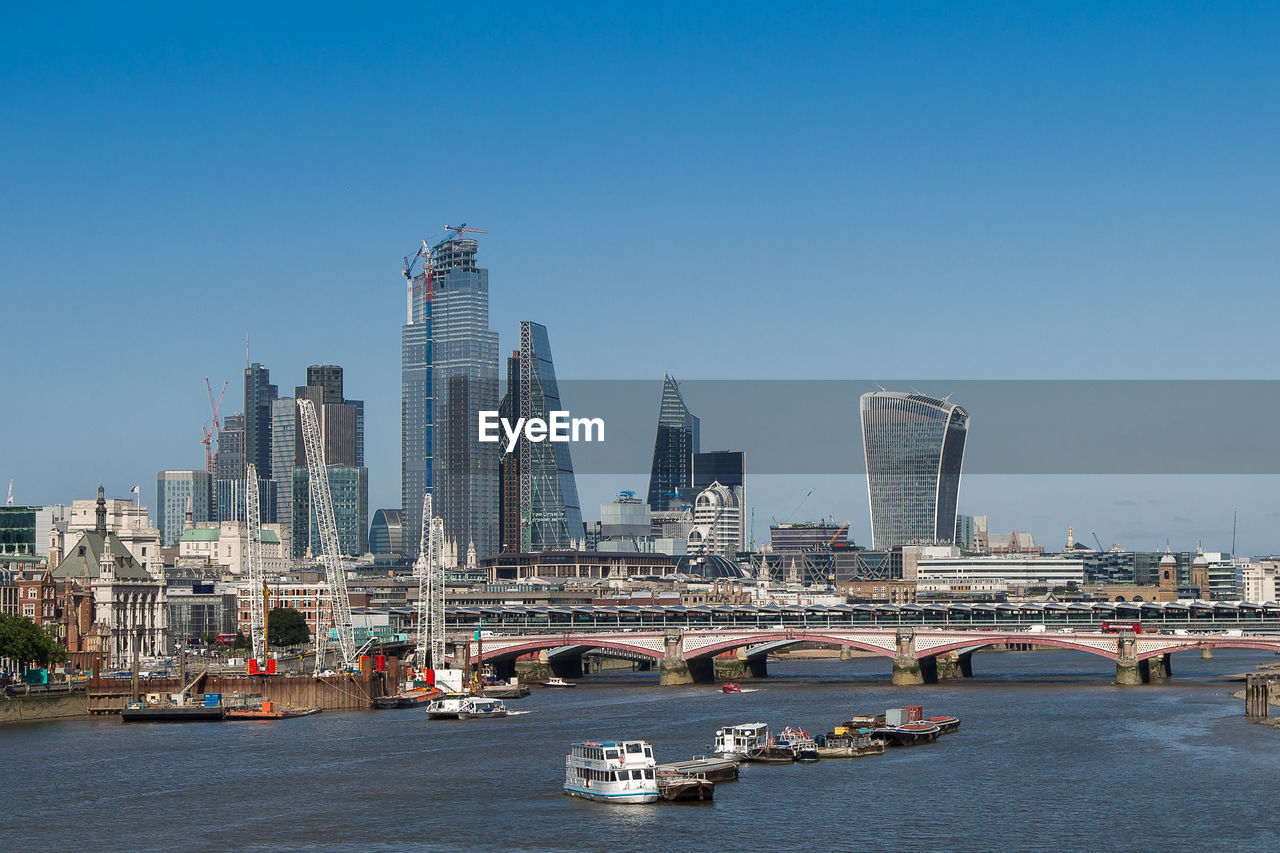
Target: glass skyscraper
{"points": [[464, 378], [545, 504], [673, 449], [175, 492], [914, 449], [258, 396], [416, 408]]}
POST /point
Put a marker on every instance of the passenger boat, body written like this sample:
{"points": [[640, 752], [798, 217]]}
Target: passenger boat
{"points": [[803, 746], [684, 786], [556, 681], [268, 711], [481, 707], [737, 742], [612, 772], [446, 706], [910, 734], [731, 688]]}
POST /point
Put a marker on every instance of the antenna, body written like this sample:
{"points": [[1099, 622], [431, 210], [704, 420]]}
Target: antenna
{"points": [[1234, 514], [246, 347]]}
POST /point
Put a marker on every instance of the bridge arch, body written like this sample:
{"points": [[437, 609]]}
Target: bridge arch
{"points": [[554, 641], [972, 644], [782, 639]]}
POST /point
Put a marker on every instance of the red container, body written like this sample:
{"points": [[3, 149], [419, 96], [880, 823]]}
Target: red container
{"points": [[271, 666], [915, 713], [380, 663], [429, 676], [253, 667]]}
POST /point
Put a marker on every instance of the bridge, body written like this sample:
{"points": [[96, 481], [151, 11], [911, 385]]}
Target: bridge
{"points": [[919, 654]]}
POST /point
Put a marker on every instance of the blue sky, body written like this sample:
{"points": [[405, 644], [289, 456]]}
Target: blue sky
{"points": [[715, 190]]}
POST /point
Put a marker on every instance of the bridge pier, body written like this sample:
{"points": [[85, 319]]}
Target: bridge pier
{"points": [[1129, 670], [739, 667], [965, 662], [674, 669], [947, 667], [566, 666], [1159, 668], [906, 666]]}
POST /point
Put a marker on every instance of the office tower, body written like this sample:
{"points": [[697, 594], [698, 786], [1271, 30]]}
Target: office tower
{"points": [[729, 469], [387, 532], [229, 499], [341, 420], [914, 449], [349, 488], [416, 407], [539, 496], [230, 460], [673, 448], [287, 453], [176, 493], [258, 396], [464, 368], [717, 522]]}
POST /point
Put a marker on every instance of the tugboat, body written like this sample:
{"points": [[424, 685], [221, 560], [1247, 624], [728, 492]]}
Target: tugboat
{"points": [[612, 772]]}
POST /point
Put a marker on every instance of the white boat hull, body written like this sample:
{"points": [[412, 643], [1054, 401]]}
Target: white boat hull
{"points": [[622, 797]]}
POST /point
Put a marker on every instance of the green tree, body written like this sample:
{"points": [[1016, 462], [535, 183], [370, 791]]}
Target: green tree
{"points": [[27, 643], [286, 627], [241, 641]]}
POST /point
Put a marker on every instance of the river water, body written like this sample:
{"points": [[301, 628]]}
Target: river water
{"points": [[1050, 756]]}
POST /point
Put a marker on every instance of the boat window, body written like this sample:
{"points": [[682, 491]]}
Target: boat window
{"points": [[633, 747], [648, 774], [648, 752], [636, 774], [610, 753]]}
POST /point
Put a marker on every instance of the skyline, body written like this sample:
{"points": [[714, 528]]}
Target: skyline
{"points": [[172, 173]]}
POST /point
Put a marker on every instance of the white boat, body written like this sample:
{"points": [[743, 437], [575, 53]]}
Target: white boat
{"points": [[556, 681], [737, 742], [480, 707], [448, 706], [612, 772]]}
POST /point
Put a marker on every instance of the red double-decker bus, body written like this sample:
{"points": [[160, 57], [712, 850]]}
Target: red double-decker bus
{"points": [[1117, 627]]}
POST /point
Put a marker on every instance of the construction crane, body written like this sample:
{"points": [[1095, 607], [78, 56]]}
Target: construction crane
{"points": [[1099, 541], [330, 551], [253, 566], [459, 230], [429, 570], [9, 500], [215, 408], [840, 534], [423, 254], [793, 512]]}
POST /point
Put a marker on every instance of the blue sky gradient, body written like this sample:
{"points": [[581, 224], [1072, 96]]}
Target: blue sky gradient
{"points": [[715, 190]]}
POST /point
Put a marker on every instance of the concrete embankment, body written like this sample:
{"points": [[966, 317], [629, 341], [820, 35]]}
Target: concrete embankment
{"points": [[43, 706]]}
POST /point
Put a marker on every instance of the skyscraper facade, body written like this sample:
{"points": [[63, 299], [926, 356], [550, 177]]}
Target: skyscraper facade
{"points": [[176, 492], [258, 396], [286, 454], [539, 496], [673, 448], [914, 449], [417, 410], [464, 367]]}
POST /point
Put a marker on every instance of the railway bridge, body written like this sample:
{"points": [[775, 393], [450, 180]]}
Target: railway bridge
{"points": [[919, 655]]}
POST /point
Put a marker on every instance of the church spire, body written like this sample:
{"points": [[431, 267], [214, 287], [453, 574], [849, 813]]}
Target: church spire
{"points": [[100, 527]]}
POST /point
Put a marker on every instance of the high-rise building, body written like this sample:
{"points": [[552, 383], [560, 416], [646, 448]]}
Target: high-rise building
{"points": [[673, 448], [258, 396], [287, 453], [349, 488], [387, 533], [178, 492], [230, 462], [539, 496], [341, 420], [229, 499], [417, 404], [914, 449], [464, 366], [717, 522]]}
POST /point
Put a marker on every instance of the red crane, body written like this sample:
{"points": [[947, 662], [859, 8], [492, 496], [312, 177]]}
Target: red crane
{"points": [[215, 409]]}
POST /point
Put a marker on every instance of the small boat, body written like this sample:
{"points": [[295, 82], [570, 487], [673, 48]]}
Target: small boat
{"points": [[446, 706], [612, 772], [677, 787], [511, 690], [731, 687], [481, 707], [947, 725], [410, 697], [804, 747], [737, 742], [556, 681], [773, 753], [911, 734], [268, 711], [711, 769]]}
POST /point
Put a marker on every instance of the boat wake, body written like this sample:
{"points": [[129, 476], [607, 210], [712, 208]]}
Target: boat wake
{"points": [[518, 713]]}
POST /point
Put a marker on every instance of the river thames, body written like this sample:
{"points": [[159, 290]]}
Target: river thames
{"points": [[1050, 756]]}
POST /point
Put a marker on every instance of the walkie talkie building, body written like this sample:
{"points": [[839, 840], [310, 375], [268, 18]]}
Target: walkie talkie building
{"points": [[914, 449]]}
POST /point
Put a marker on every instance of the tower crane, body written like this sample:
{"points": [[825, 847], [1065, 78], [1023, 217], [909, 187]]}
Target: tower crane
{"points": [[330, 551], [209, 434], [423, 254], [459, 230], [253, 566], [793, 512], [429, 570]]}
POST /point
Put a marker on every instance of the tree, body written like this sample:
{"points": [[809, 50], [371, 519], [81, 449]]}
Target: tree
{"points": [[27, 643], [286, 627], [241, 641]]}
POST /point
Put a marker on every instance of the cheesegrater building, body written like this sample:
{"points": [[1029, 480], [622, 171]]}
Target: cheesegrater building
{"points": [[914, 448]]}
